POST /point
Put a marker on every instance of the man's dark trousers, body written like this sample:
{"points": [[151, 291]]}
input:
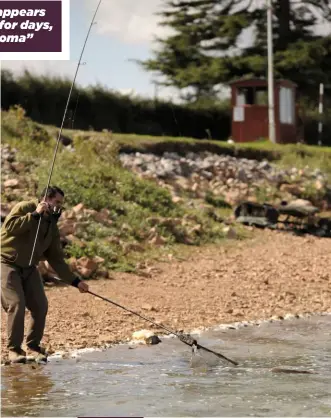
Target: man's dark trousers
{"points": [[23, 288]]}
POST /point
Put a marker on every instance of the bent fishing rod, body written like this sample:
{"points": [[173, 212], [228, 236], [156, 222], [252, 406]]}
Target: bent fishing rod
{"points": [[186, 339], [62, 124]]}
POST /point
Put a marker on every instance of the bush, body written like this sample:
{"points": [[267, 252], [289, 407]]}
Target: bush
{"points": [[311, 120], [216, 201], [44, 99], [91, 174], [16, 124]]}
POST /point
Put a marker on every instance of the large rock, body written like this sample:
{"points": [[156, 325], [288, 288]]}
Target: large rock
{"points": [[103, 216], [233, 197], [319, 184], [157, 240], [17, 167], [67, 227], [297, 207], [302, 203], [68, 214], [8, 154], [11, 184], [74, 240], [46, 270], [86, 267], [145, 336], [230, 232], [78, 208], [133, 247], [293, 189]]}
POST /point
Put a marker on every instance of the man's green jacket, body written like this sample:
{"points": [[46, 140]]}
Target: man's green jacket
{"points": [[18, 234]]}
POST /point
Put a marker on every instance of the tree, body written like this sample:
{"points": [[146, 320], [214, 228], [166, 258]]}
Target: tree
{"points": [[180, 59], [215, 41]]}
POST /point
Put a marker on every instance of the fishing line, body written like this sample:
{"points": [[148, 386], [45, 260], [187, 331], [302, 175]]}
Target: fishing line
{"points": [[184, 338], [74, 114], [63, 120]]}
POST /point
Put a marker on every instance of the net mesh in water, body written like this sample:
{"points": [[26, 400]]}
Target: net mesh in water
{"points": [[202, 358], [187, 339]]}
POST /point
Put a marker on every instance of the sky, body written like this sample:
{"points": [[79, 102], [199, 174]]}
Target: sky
{"points": [[125, 31]]}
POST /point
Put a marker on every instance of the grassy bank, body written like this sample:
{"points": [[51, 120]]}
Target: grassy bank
{"points": [[126, 219], [290, 155]]}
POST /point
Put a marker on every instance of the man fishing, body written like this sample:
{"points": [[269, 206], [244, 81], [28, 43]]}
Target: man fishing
{"points": [[21, 283]]}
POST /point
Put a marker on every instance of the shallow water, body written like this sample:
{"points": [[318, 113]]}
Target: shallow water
{"points": [[158, 380]]}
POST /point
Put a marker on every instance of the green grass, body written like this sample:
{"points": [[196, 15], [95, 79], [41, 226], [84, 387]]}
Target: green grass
{"points": [[92, 175], [284, 155]]}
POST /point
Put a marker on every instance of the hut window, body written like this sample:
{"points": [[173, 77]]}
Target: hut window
{"points": [[245, 96], [286, 106], [252, 96], [261, 96]]}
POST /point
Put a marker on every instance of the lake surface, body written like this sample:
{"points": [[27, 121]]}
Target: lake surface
{"points": [[152, 381]]}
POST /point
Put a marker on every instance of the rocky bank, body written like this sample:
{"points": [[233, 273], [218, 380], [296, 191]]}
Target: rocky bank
{"points": [[232, 178], [190, 177], [272, 274]]}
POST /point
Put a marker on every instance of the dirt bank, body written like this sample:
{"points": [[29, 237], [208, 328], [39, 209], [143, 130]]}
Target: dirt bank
{"points": [[273, 274]]}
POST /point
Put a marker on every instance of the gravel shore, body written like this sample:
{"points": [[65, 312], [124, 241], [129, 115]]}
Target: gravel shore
{"points": [[272, 274]]}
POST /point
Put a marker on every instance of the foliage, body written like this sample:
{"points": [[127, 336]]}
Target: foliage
{"points": [[97, 108], [206, 47], [18, 125], [90, 173], [216, 201], [42, 99]]}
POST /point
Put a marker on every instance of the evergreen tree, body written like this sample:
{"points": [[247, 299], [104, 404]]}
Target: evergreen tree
{"points": [[180, 59], [210, 43]]}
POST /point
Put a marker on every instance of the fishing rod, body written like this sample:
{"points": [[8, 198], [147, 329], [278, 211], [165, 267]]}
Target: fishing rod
{"points": [[62, 124], [186, 339]]}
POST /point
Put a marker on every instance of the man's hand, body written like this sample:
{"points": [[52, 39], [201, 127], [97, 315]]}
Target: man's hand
{"points": [[42, 208], [83, 287]]}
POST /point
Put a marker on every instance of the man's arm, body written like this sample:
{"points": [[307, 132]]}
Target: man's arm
{"points": [[21, 218], [55, 256]]}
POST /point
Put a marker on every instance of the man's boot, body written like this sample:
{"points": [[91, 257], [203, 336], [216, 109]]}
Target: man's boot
{"points": [[17, 356], [36, 353]]}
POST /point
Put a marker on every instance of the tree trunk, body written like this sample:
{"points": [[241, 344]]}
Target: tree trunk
{"points": [[283, 12]]}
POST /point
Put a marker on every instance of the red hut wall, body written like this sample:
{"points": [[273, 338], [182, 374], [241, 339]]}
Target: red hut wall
{"points": [[250, 121]]}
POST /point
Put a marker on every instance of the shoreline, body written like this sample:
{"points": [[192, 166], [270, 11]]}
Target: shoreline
{"points": [[196, 332], [268, 276], [76, 352]]}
